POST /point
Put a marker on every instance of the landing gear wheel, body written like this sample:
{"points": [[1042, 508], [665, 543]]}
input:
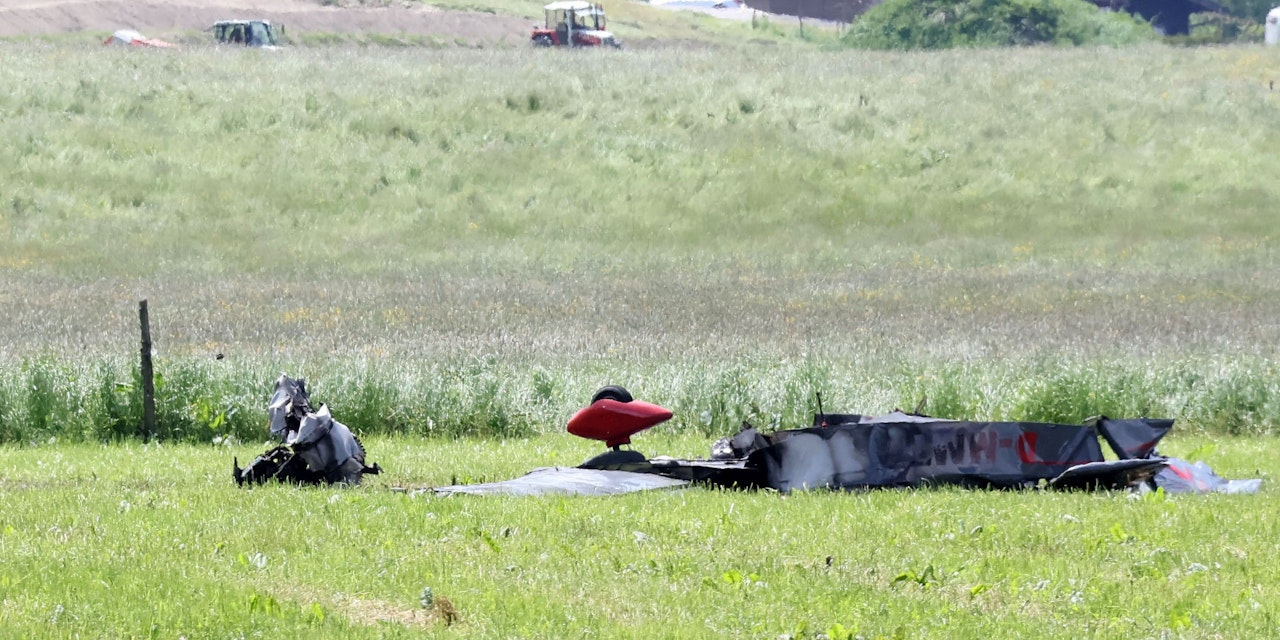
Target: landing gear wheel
{"points": [[612, 392], [612, 459]]}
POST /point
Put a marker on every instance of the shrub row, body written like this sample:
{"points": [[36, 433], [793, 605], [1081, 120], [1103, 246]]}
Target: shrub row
{"points": [[196, 401]]}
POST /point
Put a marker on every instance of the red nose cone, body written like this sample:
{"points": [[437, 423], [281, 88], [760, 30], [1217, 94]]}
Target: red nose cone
{"points": [[615, 422]]}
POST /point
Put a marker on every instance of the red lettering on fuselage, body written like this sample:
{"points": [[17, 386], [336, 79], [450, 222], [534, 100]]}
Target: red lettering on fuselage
{"points": [[1027, 448]]}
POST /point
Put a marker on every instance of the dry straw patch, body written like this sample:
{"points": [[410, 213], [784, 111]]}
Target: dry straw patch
{"points": [[371, 612], [374, 611]]}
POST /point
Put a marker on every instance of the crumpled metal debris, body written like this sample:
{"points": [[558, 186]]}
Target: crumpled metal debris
{"points": [[567, 481], [1180, 476], [316, 448]]}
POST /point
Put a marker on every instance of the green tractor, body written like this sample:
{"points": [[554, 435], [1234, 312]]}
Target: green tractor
{"points": [[248, 33]]}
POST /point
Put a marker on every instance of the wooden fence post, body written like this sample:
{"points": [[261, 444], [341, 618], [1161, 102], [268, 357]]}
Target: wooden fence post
{"points": [[148, 378]]}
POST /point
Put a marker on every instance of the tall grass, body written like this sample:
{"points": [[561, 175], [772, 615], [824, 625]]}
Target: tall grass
{"points": [[202, 402], [495, 162], [472, 241]]}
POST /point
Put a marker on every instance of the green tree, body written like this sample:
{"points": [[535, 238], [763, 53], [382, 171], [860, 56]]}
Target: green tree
{"points": [[943, 24]]}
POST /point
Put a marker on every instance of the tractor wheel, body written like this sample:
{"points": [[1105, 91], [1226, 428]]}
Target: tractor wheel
{"points": [[542, 41], [612, 392]]}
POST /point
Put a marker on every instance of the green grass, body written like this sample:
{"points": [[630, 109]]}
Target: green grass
{"points": [[458, 247], [463, 242], [132, 541], [1015, 162], [200, 401]]}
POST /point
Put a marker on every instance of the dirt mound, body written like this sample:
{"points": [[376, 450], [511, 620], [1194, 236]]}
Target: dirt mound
{"points": [[165, 18]]}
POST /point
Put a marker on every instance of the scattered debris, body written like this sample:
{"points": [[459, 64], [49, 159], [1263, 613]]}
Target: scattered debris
{"points": [[131, 38], [1180, 476], [567, 480], [316, 447], [846, 451]]}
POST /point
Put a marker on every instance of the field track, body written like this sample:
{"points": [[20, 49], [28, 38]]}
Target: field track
{"points": [[161, 18]]}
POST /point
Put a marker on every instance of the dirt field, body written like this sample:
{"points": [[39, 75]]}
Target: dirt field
{"points": [[164, 18]]}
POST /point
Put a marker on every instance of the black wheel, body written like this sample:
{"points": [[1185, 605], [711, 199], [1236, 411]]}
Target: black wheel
{"points": [[613, 459], [542, 41], [612, 392]]}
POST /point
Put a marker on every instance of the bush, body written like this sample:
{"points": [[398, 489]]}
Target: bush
{"points": [[944, 24], [1251, 11], [1217, 28]]}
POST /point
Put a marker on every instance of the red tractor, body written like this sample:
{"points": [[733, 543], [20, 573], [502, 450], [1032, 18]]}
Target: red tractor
{"points": [[574, 23]]}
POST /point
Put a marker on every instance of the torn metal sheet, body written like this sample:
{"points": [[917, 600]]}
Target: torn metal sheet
{"points": [[1110, 474], [568, 481], [885, 452], [316, 448], [730, 474], [854, 451], [1180, 476]]}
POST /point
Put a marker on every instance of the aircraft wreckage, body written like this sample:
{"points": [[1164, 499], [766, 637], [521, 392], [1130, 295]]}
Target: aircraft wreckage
{"points": [[316, 447], [850, 452], [840, 451]]}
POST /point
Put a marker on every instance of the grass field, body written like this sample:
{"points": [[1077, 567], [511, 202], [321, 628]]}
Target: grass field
{"points": [[132, 541], [441, 237], [455, 245]]}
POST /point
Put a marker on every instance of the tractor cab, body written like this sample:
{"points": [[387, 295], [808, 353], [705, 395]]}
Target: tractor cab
{"points": [[249, 33], [574, 23]]}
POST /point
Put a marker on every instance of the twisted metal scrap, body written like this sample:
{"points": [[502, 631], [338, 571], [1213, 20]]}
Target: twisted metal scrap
{"points": [[316, 447]]}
